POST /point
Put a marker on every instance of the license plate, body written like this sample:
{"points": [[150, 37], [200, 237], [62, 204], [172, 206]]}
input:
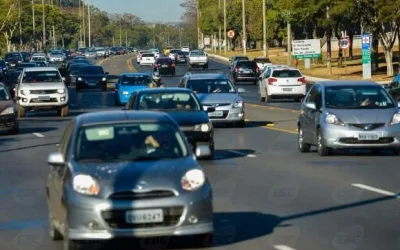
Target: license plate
{"points": [[216, 114], [92, 83], [144, 216], [165, 66], [368, 137], [287, 89], [12, 65], [246, 71], [44, 98], [201, 63]]}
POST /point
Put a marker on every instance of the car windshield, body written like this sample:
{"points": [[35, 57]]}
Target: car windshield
{"points": [[286, 73], [357, 97], [41, 76], [91, 70], [197, 53], [3, 94], [241, 58], [129, 142], [148, 55], [135, 80], [38, 59], [75, 68], [56, 52], [12, 55], [246, 64], [169, 101], [215, 86], [262, 60]]}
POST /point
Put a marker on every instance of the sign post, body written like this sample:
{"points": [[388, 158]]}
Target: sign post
{"points": [[231, 34], [305, 50], [344, 43], [366, 56]]}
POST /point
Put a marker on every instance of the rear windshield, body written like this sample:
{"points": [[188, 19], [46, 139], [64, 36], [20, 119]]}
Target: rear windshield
{"points": [[91, 70], [147, 55], [197, 53], [27, 65], [164, 60], [241, 58], [38, 59], [250, 64], [286, 73], [135, 80], [262, 60]]}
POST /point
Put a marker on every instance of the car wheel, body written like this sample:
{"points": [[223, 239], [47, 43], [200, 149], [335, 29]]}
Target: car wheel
{"points": [[204, 240], [240, 124], [21, 111], [303, 147], [255, 82], [55, 235], [321, 148], [64, 111], [396, 151], [262, 99], [15, 130]]}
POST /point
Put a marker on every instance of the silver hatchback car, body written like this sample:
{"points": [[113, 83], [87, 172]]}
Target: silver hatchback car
{"points": [[348, 114], [127, 174]]}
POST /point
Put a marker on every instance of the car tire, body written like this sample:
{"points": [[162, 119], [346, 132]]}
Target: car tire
{"points": [[21, 111], [262, 99], [14, 131], [64, 111], [321, 148], [396, 151], [255, 82], [303, 147], [240, 124], [204, 240], [55, 235]]}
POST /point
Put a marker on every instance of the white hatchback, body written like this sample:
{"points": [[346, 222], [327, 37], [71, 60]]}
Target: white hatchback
{"points": [[282, 82], [147, 59]]}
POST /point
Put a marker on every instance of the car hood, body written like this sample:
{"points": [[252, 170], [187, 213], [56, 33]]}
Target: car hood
{"points": [[190, 118], [132, 88], [40, 85], [364, 115], [218, 98], [125, 176], [6, 104]]}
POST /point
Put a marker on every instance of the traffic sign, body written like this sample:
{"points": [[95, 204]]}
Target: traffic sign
{"points": [[366, 42], [344, 43], [231, 34]]}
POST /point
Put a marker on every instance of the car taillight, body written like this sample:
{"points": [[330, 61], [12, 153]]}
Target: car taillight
{"points": [[236, 69], [302, 80], [173, 65], [271, 81]]}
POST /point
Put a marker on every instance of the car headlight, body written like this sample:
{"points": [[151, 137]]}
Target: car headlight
{"points": [[104, 79], [395, 119], [80, 79], [205, 127], [61, 91], [332, 119], [8, 111], [193, 179], [85, 184], [125, 92], [238, 104], [25, 92]]}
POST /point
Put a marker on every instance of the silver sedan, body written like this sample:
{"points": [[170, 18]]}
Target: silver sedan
{"points": [[345, 114], [127, 174]]}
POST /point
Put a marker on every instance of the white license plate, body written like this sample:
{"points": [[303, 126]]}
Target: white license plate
{"points": [[44, 98], [216, 114], [12, 65], [246, 71], [368, 137], [91, 83], [165, 66], [287, 89], [144, 216]]}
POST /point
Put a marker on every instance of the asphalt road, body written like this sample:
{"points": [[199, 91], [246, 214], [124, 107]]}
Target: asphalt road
{"points": [[267, 194]]}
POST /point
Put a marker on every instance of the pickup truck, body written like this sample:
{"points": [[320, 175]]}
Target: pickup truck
{"points": [[197, 59]]}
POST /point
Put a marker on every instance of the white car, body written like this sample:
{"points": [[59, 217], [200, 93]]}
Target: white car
{"points": [[56, 56], [39, 58], [173, 54], [139, 56], [41, 88], [185, 49], [282, 82], [101, 52], [148, 59]]}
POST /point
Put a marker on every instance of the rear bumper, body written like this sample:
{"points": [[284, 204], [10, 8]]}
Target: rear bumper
{"points": [[166, 70]]}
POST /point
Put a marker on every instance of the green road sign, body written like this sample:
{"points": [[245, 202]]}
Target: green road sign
{"points": [[306, 56], [366, 57]]}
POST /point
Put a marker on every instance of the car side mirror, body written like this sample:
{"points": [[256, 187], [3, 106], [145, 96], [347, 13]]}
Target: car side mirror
{"points": [[63, 78], [311, 105], [210, 109], [241, 90], [56, 159], [202, 151]]}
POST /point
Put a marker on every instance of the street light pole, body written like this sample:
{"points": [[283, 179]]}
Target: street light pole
{"points": [[120, 32], [80, 24], [154, 35], [20, 26], [198, 25], [265, 29], [244, 27], [225, 35], [180, 37], [89, 24], [44, 26], [33, 22], [219, 28], [84, 25]]}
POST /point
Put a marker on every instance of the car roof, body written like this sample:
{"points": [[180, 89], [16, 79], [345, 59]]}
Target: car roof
{"points": [[164, 90], [134, 74], [284, 68], [348, 83], [112, 117], [38, 69], [206, 76]]}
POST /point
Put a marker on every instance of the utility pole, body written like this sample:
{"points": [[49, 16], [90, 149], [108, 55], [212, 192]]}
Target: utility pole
{"points": [[120, 32], [84, 25], [265, 51], [328, 43], [20, 26], [225, 35], [54, 30], [180, 37], [219, 28], [126, 37], [80, 24], [44, 26], [33, 23], [89, 24], [198, 25], [289, 43], [168, 33], [244, 27], [154, 35]]}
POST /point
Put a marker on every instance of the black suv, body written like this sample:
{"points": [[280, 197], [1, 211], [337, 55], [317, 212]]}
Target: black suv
{"points": [[13, 59], [91, 77], [244, 71]]}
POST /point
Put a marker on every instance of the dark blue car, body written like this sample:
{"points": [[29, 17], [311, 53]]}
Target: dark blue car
{"points": [[127, 84]]}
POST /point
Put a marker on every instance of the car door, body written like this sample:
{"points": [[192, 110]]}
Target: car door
{"points": [[306, 115], [263, 82], [181, 84]]}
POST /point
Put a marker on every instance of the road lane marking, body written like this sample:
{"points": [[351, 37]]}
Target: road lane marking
{"points": [[270, 125], [375, 190], [130, 65], [273, 108], [282, 130], [242, 154], [283, 247], [38, 135], [102, 61]]}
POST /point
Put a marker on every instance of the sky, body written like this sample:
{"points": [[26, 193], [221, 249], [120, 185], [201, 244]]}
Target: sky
{"points": [[148, 10]]}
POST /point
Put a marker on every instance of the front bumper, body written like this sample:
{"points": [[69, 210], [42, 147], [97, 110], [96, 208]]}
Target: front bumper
{"points": [[344, 137], [93, 218], [48, 101], [229, 114], [91, 85], [8, 122]]}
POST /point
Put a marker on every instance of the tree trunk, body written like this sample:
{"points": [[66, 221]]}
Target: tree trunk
{"points": [[389, 61], [351, 36], [374, 53], [340, 52]]}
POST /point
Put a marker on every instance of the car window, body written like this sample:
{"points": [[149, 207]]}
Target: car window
{"points": [[129, 142], [262, 60], [197, 53], [215, 86], [164, 60], [357, 97], [268, 73], [135, 80], [148, 55], [4, 94], [38, 59], [241, 58], [169, 102], [286, 73], [311, 94], [41, 76], [249, 64], [91, 70]]}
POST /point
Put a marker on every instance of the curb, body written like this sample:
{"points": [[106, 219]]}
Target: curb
{"points": [[310, 79]]}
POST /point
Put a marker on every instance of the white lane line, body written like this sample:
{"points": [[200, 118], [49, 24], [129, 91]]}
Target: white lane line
{"points": [[283, 247], [375, 190], [38, 135], [242, 154]]}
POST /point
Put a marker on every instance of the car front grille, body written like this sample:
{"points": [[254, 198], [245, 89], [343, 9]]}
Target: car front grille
{"points": [[44, 91], [116, 218], [153, 194], [217, 105], [187, 128], [351, 140], [367, 126], [36, 100]]}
